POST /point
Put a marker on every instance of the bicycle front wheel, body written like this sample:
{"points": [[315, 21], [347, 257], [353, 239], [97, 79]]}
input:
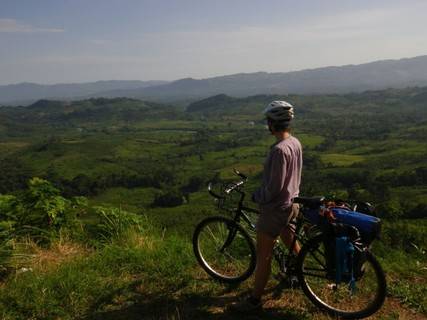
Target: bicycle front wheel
{"points": [[340, 300], [224, 249]]}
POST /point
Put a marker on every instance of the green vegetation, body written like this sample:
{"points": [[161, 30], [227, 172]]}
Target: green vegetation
{"points": [[99, 197]]}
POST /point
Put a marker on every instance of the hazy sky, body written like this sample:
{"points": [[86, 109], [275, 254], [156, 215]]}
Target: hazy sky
{"points": [[50, 41]]}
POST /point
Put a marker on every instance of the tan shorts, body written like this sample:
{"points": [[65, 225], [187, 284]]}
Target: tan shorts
{"points": [[272, 222]]}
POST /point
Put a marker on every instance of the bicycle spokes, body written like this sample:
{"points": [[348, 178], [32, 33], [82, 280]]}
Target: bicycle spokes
{"points": [[225, 249], [343, 298]]}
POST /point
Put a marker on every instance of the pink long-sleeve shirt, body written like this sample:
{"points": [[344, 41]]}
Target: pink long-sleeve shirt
{"points": [[281, 177]]}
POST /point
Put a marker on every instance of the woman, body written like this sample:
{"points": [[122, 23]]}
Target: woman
{"points": [[280, 185]]}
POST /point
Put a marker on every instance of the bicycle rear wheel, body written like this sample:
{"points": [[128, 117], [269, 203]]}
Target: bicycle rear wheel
{"points": [[224, 249], [341, 301]]}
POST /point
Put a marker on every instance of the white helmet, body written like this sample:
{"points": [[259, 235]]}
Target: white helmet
{"points": [[279, 111]]}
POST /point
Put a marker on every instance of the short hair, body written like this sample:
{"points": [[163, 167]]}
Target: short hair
{"points": [[279, 126]]}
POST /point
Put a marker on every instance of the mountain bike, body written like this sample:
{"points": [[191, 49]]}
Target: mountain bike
{"points": [[224, 247]]}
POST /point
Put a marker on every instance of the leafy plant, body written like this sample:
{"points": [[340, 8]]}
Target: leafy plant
{"points": [[40, 211], [6, 248], [115, 223]]}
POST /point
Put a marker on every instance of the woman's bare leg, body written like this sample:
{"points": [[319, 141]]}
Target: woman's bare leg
{"points": [[264, 252], [287, 235]]}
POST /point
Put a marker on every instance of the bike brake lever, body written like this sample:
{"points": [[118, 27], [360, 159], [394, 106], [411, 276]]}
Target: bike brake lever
{"points": [[241, 175]]}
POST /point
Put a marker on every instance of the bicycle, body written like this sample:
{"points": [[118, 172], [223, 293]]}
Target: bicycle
{"points": [[225, 249]]}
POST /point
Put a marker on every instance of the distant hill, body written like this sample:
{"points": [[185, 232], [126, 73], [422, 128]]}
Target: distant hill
{"points": [[25, 93], [75, 113], [212, 103], [407, 104], [378, 75], [345, 79]]}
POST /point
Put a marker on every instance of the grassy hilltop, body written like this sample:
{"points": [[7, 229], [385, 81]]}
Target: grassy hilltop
{"points": [[122, 184]]}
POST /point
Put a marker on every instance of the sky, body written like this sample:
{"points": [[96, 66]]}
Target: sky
{"points": [[63, 41]]}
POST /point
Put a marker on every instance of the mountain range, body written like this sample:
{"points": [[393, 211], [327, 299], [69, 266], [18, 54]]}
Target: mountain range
{"points": [[26, 93], [383, 74]]}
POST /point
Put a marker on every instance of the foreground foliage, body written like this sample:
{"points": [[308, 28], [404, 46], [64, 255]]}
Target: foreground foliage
{"points": [[116, 259]]}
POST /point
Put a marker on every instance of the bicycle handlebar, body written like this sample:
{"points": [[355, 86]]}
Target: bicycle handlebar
{"points": [[213, 194], [241, 175], [231, 187], [234, 186]]}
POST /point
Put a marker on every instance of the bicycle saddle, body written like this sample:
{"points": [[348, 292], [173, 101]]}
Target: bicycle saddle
{"points": [[311, 202]]}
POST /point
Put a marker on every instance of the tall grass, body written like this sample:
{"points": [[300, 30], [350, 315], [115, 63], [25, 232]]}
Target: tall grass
{"points": [[402, 251], [89, 283]]}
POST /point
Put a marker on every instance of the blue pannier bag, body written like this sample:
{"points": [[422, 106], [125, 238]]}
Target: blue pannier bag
{"points": [[368, 226], [341, 254], [344, 260]]}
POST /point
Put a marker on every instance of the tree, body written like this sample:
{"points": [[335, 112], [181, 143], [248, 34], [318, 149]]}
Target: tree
{"points": [[169, 198]]}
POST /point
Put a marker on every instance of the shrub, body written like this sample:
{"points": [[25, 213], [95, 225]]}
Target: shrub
{"points": [[194, 184], [170, 198], [40, 211], [7, 225], [6, 248], [390, 209], [114, 224], [420, 211], [405, 235]]}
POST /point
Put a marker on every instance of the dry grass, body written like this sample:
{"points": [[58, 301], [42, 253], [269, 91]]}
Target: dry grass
{"points": [[295, 300], [289, 303], [29, 255], [136, 239], [46, 259]]}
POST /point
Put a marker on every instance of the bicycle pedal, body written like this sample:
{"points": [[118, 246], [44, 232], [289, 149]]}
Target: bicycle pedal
{"points": [[332, 286], [294, 282], [287, 281]]}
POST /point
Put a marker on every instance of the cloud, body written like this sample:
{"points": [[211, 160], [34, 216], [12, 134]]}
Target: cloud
{"points": [[14, 26]]}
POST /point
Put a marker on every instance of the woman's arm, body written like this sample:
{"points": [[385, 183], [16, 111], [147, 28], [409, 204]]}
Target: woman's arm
{"points": [[275, 181]]}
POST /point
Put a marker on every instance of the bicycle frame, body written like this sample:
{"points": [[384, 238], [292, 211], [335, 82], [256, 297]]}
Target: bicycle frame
{"points": [[240, 213]]}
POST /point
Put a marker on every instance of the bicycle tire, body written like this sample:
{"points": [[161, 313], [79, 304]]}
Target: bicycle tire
{"points": [[224, 249], [370, 291]]}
